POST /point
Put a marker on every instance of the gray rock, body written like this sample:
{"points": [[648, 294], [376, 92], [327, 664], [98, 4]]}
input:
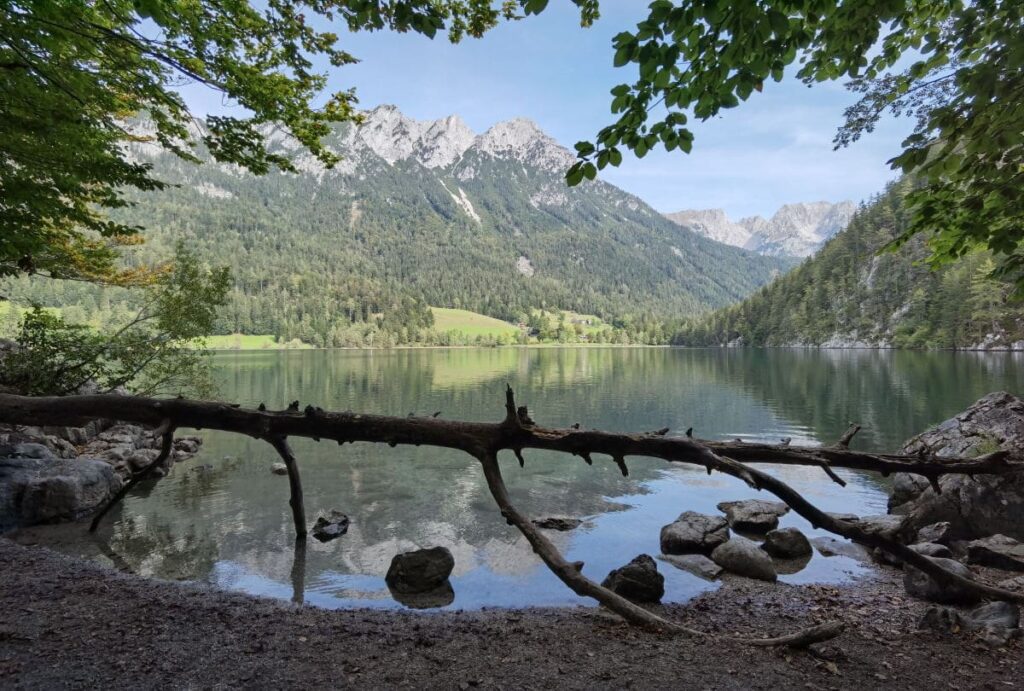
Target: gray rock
{"points": [[32, 450], [941, 533], [997, 551], [996, 623], [697, 564], [834, 547], [279, 469], [753, 515], [638, 581], [745, 558], [562, 523], [420, 571], [848, 517], [974, 507], [333, 525], [932, 549], [786, 543], [921, 585], [35, 490], [694, 533], [885, 525]]}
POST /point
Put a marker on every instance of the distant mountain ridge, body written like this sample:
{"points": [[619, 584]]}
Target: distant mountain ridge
{"points": [[429, 212], [851, 294], [795, 230]]}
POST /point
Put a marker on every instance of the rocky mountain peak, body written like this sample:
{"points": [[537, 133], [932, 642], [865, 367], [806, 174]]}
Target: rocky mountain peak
{"points": [[522, 140], [795, 230]]}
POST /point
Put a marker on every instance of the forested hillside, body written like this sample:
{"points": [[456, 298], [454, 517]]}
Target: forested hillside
{"points": [[850, 295], [418, 214]]}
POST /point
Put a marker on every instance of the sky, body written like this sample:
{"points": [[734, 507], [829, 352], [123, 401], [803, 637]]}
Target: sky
{"points": [[774, 149]]}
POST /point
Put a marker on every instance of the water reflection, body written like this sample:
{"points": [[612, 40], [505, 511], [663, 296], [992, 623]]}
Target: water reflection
{"points": [[223, 518]]}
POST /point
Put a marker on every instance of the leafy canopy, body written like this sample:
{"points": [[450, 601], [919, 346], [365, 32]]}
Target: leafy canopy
{"points": [[965, 85], [75, 73], [158, 350]]}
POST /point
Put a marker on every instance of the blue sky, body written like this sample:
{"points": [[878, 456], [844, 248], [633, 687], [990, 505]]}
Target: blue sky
{"points": [[773, 149]]}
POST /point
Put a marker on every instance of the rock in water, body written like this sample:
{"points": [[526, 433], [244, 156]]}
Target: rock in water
{"points": [[753, 515], [697, 564], [786, 543], [420, 571], [829, 546], [334, 524], [997, 551], [562, 523], [279, 469], [34, 490], [974, 507], [694, 533], [921, 585], [744, 557], [638, 580]]}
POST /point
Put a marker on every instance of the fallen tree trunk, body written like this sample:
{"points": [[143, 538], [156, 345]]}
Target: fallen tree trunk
{"points": [[517, 432]]}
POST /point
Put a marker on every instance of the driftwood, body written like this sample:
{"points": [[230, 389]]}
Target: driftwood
{"points": [[518, 432]]}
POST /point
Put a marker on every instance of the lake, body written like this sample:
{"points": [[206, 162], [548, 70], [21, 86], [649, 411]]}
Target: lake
{"points": [[222, 518]]}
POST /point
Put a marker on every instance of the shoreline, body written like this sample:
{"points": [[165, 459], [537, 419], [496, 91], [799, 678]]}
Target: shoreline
{"points": [[554, 346], [70, 623]]}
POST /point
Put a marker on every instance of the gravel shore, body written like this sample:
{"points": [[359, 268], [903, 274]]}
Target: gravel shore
{"points": [[68, 623]]}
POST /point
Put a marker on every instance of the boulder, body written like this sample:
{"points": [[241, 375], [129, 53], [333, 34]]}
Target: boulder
{"points": [[786, 543], [885, 525], [697, 564], [848, 517], [638, 581], [744, 557], [921, 585], [279, 469], [694, 533], [932, 549], [995, 622], [562, 523], [941, 533], [997, 551], [34, 490], [420, 571], [334, 524], [834, 547], [753, 515], [974, 507]]}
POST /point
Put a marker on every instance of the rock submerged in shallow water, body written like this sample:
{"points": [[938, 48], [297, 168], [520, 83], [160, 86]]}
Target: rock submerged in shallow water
{"points": [[697, 564], [334, 524], [637, 581], [753, 515], [562, 523], [921, 585], [694, 533], [974, 507], [786, 543], [34, 490], [745, 557], [279, 469], [834, 547], [420, 571], [997, 551]]}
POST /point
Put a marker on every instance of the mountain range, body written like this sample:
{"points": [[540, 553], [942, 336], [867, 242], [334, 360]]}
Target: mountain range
{"points": [[795, 230], [853, 293], [425, 213]]}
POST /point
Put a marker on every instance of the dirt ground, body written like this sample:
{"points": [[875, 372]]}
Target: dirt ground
{"points": [[67, 623]]}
